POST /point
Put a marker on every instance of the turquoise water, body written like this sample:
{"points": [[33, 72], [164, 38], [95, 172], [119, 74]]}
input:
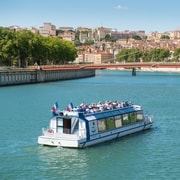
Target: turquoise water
{"points": [[153, 154]]}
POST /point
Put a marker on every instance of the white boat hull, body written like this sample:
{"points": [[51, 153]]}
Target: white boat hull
{"points": [[78, 142]]}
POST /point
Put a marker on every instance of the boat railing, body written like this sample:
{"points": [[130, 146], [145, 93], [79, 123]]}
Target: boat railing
{"points": [[78, 133], [102, 107], [148, 119], [48, 131]]}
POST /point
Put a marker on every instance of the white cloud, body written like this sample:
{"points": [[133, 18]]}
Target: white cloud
{"points": [[121, 7]]}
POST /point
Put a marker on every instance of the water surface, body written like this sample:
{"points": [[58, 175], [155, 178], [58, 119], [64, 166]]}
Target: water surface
{"points": [[153, 154]]}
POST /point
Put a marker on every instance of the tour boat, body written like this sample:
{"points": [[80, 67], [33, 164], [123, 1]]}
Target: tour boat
{"points": [[87, 125]]}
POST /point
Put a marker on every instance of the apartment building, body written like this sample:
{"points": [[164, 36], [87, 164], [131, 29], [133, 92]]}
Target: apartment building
{"points": [[102, 32], [126, 34], [84, 34], [67, 35], [48, 29], [34, 30], [63, 28], [174, 35], [15, 28], [94, 58]]}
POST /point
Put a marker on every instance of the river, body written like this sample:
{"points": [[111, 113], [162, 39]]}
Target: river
{"points": [[153, 154]]}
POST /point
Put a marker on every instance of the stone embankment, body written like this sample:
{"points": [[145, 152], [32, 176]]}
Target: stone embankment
{"points": [[29, 76]]}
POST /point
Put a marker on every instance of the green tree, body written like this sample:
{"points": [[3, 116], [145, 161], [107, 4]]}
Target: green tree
{"points": [[136, 37], [129, 55], [107, 37], [146, 56], [176, 55], [88, 42], [39, 51], [25, 48], [122, 56], [159, 55], [60, 51], [164, 37], [6, 46], [77, 42]]}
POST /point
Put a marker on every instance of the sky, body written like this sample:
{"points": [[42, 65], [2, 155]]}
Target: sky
{"points": [[133, 15]]}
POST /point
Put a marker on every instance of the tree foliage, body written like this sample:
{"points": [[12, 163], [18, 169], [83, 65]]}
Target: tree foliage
{"points": [[176, 55], [129, 55], [24, 48], [136, 37], [89, 42], [136, 55], [165, 37]]}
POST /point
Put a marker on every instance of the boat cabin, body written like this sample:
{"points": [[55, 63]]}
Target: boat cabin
{"points": [[94, 123], [89, 125]]}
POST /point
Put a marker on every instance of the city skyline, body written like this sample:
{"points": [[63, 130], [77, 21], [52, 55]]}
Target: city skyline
{"points": [[121, 15]]}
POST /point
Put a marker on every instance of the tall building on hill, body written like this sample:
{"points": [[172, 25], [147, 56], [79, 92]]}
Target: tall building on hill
{"points": [[48, 29]]}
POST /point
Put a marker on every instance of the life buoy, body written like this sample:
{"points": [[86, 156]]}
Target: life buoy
{"points": [[50, 131]]}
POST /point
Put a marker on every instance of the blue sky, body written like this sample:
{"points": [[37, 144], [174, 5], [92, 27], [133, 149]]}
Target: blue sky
{"points": [[148, 15]]}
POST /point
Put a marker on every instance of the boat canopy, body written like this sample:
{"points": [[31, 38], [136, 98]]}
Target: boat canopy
{"points": [[109, 113]]}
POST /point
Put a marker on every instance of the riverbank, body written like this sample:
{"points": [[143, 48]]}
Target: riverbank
{"points": [[33, 74], [28, 76], [161, 69], [177, 70]]}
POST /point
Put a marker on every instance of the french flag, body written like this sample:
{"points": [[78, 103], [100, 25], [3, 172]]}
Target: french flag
{"points": [[55, 107], [69, 107]]}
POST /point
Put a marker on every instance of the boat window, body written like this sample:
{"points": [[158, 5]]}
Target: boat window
{"points": [[132, 117], [102, 125], [118, 121], [139, 116], [67, 125], [110, 123], [59, 121], [74, 124], [126, 119]]}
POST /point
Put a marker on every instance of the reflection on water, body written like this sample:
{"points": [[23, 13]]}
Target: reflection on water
{"points": [[64, 161], [88, 163]]}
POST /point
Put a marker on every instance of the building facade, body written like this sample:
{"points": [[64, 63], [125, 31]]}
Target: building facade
{"points": [[48, 29]]}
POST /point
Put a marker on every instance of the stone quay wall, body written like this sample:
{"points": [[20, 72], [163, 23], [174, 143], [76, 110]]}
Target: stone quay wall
{"points": [[17, 77]]}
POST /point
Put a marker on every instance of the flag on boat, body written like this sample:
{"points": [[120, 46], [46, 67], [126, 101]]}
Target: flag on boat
{"points": [[55, 107], [69, 107]]}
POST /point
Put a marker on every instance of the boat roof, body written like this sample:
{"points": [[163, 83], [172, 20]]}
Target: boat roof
{"points": [[110, 113]]}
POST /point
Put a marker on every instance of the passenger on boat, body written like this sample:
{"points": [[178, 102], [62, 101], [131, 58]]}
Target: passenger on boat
{"points": [[101, 106]]}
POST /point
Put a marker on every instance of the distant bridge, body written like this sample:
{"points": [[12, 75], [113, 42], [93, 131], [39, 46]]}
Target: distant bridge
{"points": [[132, 65]]}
